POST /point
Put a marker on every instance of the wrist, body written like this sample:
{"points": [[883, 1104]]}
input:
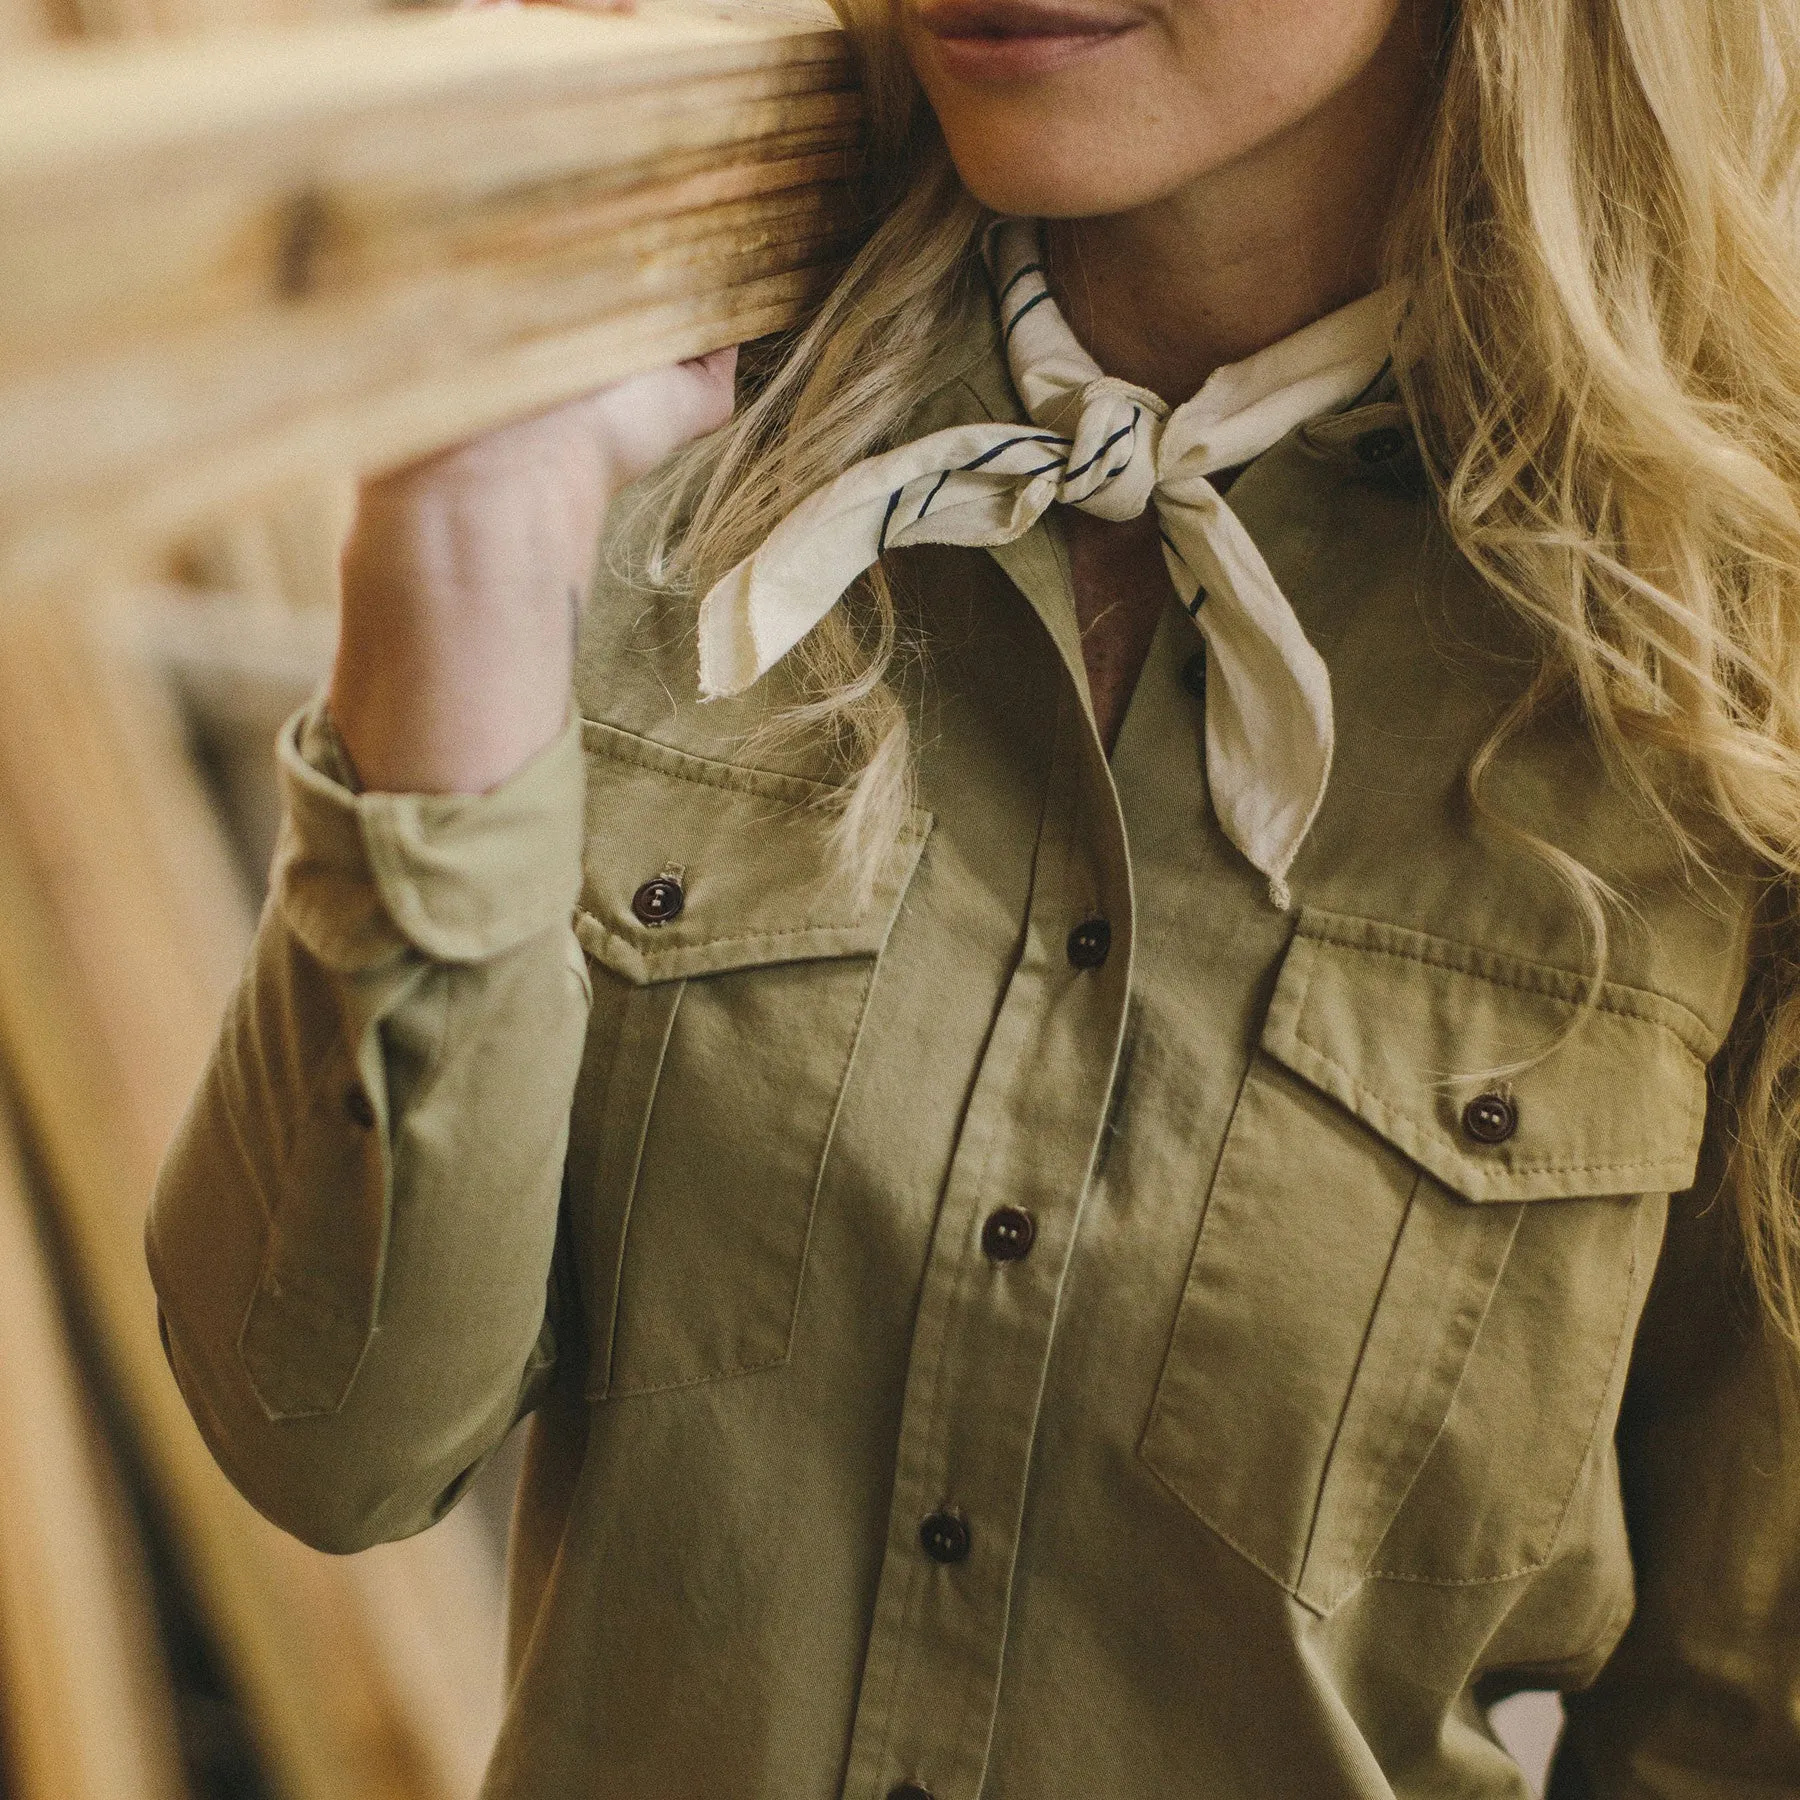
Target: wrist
{"points": [[432, 737], [450, 686]]}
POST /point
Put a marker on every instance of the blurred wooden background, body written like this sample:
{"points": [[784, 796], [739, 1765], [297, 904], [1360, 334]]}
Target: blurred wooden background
{"points": [[158, 1639]]}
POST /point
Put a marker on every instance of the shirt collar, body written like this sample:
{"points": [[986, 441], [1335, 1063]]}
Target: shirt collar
{"points": [[1037, 564]]}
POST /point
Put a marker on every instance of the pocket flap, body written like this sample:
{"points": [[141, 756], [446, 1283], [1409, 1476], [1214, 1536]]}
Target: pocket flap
{"points": [[749, 852], [1406, 1030]]}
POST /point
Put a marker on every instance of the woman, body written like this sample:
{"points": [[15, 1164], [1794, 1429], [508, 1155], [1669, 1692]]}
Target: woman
{"points": [[1082, 1207]]}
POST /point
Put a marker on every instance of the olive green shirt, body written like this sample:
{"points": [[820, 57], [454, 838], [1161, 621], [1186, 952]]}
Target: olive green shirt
{"points": [[1058, 1327]]}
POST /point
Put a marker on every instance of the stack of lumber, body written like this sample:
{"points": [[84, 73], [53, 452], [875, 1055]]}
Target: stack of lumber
{"points": [[89, 1714], [235, 262], [125, 918], [125, 921], [241, 267]]}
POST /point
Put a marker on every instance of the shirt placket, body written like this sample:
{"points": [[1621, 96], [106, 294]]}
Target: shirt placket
{"points": [[1001, 1248]]}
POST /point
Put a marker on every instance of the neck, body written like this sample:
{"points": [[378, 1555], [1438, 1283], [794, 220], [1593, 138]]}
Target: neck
{"points": [[1246, 254]]}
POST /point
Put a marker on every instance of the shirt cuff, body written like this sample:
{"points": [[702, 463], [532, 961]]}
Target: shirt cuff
{"points": [[360, 878]]}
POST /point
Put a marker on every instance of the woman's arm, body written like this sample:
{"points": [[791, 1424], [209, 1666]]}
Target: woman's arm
{"points": [[352, 1237], [1701, 1701], [465, 576]]}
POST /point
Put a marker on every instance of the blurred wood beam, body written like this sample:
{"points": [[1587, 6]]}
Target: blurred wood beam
{"points": [[125, 925], [235, 263], [28, 22], [282, 554], [161, 18], [85, 1687], [285, 552]]}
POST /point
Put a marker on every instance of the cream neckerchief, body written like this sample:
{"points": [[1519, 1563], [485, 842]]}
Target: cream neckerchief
{"points": [[1111, 449]]}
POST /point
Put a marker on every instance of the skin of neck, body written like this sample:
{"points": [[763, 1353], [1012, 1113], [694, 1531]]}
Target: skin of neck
{"points": [[1248, 253]]}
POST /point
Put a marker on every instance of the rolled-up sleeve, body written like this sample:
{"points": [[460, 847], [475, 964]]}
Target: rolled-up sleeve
{"points": [[353, 1235], [1701, 1700]]}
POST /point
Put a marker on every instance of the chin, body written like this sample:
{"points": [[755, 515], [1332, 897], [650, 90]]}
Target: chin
{"points": [[1036, 168], [1027, 191]]}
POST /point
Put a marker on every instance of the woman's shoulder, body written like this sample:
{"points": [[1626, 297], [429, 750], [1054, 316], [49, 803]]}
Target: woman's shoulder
{"points": [[1459, 807]]}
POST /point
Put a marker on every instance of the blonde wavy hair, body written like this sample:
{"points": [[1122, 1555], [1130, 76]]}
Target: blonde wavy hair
{"points": [[1602, 360]]}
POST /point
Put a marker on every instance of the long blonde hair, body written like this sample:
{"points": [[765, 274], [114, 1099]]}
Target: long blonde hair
{"points": [[1602, 359]]}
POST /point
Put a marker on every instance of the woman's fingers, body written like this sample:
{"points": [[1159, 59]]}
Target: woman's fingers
{"points": [[460, 576], [645, 418]]}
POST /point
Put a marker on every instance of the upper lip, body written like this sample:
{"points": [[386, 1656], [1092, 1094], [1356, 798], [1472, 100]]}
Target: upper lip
{"points": [[1019, 18]]}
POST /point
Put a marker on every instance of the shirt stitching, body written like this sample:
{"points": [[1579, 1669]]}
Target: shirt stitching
{"points": [[1551, 982], [1515, 1166]]}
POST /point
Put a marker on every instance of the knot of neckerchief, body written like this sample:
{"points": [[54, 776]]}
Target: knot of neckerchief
{"points": [[1111, 449]]}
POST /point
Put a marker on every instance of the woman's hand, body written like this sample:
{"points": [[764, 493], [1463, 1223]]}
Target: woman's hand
{"points": [[465, 575]]}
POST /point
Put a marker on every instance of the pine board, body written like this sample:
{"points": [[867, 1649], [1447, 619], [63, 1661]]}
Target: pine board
{"points": [[85, 1692], [234, 262], [124, 929]]}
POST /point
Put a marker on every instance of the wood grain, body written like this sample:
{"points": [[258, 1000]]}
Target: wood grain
{"points": [[158, 18], [375, 1678], [124, 929], [86, 1691], [229, 264]]}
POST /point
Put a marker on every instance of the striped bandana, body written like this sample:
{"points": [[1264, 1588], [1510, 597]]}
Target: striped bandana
{"points": [[1110, 449]]}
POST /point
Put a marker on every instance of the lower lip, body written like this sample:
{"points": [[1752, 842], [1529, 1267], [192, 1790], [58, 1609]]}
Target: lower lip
{"points": [[1009, 58]]}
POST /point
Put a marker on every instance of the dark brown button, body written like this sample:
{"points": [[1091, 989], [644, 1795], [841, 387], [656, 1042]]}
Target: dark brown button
{"points": [[358, 1107], [945, 1536], [1193, 674], [1008, 1234], [1381, 445], [909, 1790], [1490, 1118], [659, 900], [1089, 942]]}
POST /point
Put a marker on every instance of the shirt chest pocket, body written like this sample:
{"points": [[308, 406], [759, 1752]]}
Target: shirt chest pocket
{"points": [[731, 965], [1413, 1293]]}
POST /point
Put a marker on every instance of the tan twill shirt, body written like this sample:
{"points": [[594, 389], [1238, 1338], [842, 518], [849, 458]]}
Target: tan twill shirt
{"points": [[1064, 1329]]}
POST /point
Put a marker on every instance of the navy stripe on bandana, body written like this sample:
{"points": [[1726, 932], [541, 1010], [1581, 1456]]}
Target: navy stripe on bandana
{"points": [[1013, 325], [969, 468], [887, 519], [1034, 268], [1191, 607], [987, 456], [1169, 545], [1137, 412], [937, 488]]}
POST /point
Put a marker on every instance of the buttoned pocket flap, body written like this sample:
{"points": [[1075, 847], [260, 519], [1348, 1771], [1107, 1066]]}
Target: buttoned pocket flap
{"points": [[1501, 1076], [1369, 1376], [732, 965], [740, 861]]}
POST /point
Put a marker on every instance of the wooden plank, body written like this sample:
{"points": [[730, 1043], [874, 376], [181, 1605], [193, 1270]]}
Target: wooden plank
{"points": [[86, 1691], [285, 552], [375, 1678], [230, 264], [433, 1609], [30, 22], [124, 929], [282, 554], [99, 1099], [158, 18]]}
